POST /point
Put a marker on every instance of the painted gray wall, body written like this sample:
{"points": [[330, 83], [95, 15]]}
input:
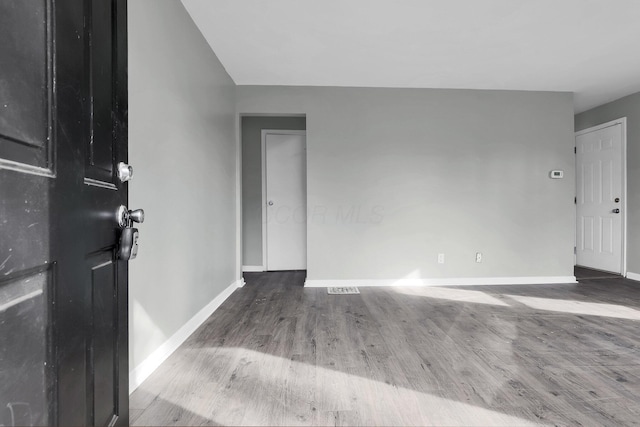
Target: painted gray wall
{"points": [[251, 129], [396, 176], [183, 150], [628, 107]]}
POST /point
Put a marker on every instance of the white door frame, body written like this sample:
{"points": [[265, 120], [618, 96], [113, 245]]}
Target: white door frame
{"points": [[263, 145], [623, 206]]}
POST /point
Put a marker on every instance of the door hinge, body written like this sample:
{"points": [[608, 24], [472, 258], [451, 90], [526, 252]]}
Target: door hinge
{"points": [[575, 250], [575, 150], [575, 200]]}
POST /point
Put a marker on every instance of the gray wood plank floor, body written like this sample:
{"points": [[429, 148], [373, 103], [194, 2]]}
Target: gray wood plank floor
{"points": [[276, 353]]}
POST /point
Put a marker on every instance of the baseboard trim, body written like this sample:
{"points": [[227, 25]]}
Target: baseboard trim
{"points": [[151, 363], [252, 268], [464, 281], [633, 276]]}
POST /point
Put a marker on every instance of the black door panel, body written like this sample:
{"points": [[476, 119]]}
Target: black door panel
{"points": [[63, 292]]}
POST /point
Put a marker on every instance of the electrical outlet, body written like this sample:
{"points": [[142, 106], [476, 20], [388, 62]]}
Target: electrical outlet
{"points": [[478, 256], [440, 258]]}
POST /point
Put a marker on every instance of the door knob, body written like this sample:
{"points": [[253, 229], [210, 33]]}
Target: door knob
{"points": [[617, 211], [125, 172], [125, 217], [270, 202], [617, 200], [137, 215], [128, 245]]}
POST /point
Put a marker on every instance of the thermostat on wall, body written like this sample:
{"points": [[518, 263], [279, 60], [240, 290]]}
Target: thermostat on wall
{"points": [[556, 174]]}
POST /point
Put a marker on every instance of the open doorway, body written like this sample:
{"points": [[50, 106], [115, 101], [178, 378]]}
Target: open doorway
{"points": [[273, 163], [601, 184]]}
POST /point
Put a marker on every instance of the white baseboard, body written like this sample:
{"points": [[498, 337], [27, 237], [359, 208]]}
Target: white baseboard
{"points": [[252, 268], [151, 363], [633, 276], [464, 281]]}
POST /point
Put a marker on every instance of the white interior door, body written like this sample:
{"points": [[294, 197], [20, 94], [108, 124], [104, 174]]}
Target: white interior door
{"points": [[285, 178], [600, 204]]}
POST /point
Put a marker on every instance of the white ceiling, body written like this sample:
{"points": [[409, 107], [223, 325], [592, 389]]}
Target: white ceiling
{"points": [[590, 47]]}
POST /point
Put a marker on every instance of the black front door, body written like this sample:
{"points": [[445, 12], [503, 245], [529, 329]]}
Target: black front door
{"points": [[63, 290]]}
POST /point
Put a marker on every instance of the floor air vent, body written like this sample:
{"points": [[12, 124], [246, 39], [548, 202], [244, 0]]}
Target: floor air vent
{"points": [[344, 290]]}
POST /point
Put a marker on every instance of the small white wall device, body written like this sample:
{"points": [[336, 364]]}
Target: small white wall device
{"points": [[556, 174]]}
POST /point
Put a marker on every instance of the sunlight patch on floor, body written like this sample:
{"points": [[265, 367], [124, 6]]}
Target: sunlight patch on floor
{"points": [[458, 295], [578, 307], [252, 391]]}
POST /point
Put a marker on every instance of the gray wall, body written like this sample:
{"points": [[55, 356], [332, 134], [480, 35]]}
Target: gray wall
{"points": [[251, 128], [183, 150], [396, 176], [628, 107]]}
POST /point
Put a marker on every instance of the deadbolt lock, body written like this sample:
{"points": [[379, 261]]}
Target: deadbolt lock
{"points": [[125, 172]]}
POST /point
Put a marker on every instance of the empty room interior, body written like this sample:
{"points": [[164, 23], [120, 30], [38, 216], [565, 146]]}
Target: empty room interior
{"points": [[357, 213]]}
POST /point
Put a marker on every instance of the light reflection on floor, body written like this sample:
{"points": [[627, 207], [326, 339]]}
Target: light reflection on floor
{"points": [[578, 307], [451, 294], [261, 397]]}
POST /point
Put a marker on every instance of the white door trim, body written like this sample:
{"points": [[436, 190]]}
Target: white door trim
{"points": [[239, 207], [623, 206], [263, 145]]}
